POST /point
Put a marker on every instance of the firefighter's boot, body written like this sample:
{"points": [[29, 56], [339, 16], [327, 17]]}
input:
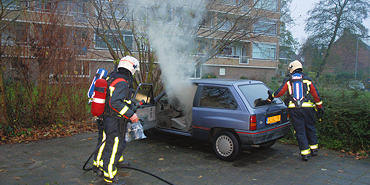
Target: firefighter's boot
{"points": [[95, 169], [314, 152], [114, 181], [123, 164], [305, 157], [100, 173], [314, 149]]}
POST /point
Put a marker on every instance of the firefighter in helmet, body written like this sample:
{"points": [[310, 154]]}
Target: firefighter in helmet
{"points": [[118, 112], [302, 97]]}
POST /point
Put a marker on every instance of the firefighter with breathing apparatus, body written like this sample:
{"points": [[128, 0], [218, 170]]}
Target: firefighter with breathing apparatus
{"points": [[118, 111], [300, 90]]}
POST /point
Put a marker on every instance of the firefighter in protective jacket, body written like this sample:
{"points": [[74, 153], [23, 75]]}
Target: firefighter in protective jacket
{"points": [[302, 97], [117, 113]]}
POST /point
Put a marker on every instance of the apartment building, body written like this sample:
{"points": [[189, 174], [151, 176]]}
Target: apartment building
{"points": [[252, 51]]}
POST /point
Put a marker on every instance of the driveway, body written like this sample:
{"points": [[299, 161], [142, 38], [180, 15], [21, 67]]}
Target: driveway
{"points": [[179, 160]]}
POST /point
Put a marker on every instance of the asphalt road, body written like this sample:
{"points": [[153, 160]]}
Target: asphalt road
{"points": [[179, 160]]}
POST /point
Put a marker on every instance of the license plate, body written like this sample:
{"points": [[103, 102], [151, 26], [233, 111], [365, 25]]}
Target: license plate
{"points": [[273, 119]]}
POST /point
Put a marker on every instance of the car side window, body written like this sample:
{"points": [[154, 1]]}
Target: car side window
{"points": [[217, 97]]}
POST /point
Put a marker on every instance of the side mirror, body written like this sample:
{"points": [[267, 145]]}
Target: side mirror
{"points": [[269, 92]]}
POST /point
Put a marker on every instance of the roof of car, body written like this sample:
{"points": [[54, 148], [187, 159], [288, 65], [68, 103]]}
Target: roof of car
{"points": [[224, 81]]}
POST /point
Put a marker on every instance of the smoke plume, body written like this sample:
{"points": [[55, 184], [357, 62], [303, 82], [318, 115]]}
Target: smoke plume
{"points": [[171, 27]]}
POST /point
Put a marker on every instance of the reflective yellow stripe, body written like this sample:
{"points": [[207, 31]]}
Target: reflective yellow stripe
{"points": [[289, 88], [319, 103], [100, 152], [111, 89], [291, 105], [314, 146], [124, 110], [109, 181], [107, 174], [304, 104], [101, 163], [306, 152], [128, 101], [308, 85], [121, 159], [112, 173], [307, 104]]}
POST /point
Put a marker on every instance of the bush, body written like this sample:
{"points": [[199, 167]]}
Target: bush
{"points": [[29, 105], [345, 124], [74, 103], [209, 75]]}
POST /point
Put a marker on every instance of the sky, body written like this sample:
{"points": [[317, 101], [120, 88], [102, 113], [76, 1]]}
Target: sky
{"points": [[299, 12]]}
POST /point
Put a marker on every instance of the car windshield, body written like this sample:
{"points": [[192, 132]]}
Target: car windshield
{"points": [[256, 95]]}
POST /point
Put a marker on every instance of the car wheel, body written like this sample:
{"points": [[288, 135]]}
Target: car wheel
{"points": [[266, 145], [226, 145]]}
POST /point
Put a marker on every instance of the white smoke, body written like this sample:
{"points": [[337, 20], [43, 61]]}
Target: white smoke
{"points": [[171, 29]]}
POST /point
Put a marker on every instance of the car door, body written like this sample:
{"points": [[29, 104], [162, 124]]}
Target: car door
{"points": [[217, 107], [144, 105]]}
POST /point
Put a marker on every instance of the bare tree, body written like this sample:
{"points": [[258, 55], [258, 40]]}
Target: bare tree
{"points": [[229, 22], [241, 21], [328, 20], [288, 45], [9, 12], [116, 32]]}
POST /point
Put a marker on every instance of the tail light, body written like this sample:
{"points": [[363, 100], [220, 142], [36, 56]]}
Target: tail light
{"points": [[287, 114], [253, 122]]}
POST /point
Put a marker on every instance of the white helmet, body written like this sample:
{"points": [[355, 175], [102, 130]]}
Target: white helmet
{"points": [[294, 65], [130, 63]]}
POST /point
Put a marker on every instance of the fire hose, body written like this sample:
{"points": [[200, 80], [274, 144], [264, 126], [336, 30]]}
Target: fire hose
{"points": [[131, 168]]}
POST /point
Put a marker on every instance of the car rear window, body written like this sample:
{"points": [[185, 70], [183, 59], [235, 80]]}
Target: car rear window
{"points": [[218, 97], [256, 95]]}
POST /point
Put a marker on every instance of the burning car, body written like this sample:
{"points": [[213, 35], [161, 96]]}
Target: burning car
{"points": [[230, 114]]}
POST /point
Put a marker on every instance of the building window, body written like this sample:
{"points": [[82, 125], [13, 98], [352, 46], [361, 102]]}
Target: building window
{"points": [[197, 72], [229, 51], [12, 4], [114, 9], [224, 23], [80, 40], [244, 57], [265, 27], [217, 97], [222, 72], [15, 34], [245, 8], [264, 51], [230, 2], [78, 69], [204, 46], [78, 9], [271, 5], [113, 40]]}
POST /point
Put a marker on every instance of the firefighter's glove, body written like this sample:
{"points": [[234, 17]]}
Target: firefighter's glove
{"points": [[320, 112], [134, 118], [270, 98]]}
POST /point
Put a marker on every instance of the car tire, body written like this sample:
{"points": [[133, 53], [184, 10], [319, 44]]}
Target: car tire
{"points": [[267, 144], [226, 146]]}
